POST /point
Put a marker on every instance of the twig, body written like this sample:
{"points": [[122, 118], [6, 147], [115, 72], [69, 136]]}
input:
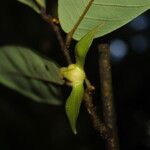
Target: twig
{"points": [[107, 97], [70, 34], [49, 20], [97, 123]]}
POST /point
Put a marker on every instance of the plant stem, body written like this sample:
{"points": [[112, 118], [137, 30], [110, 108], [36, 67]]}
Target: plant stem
{"points": [[112, 142], [56, 29], [49, 19], [97, 123]]}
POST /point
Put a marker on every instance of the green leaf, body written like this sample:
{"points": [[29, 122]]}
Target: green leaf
{"points": [[83, 46], [114, 13], [31, 4], [42, 3], [31, 75], [73, 105]]}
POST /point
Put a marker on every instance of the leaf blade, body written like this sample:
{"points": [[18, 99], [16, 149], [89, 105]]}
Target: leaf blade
{"points": [[114, 13], [18, 64], [31, 4]]}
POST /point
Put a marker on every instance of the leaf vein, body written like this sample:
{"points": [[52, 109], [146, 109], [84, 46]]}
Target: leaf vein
{"points": [[103, 19], [117, 5]]}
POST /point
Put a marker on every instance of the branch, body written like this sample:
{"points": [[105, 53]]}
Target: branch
{"points": [[49, 19], [97, 123], [107, 97]]}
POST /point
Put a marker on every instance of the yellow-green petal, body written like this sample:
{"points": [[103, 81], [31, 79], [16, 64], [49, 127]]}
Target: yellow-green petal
{"points": [[83, 46], [73, 105], [42, 3]]}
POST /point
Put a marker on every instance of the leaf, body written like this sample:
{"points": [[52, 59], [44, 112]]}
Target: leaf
{"points": [[31, 4], [42, 3], [73, 105], [83, 46], [115, 13], [31, 75]]}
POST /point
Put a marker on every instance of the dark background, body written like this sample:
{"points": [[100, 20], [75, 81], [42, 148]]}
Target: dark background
{"points": [[25, 124]]}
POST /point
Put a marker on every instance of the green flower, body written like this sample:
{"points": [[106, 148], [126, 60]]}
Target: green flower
{"points": [[75, 76]]}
